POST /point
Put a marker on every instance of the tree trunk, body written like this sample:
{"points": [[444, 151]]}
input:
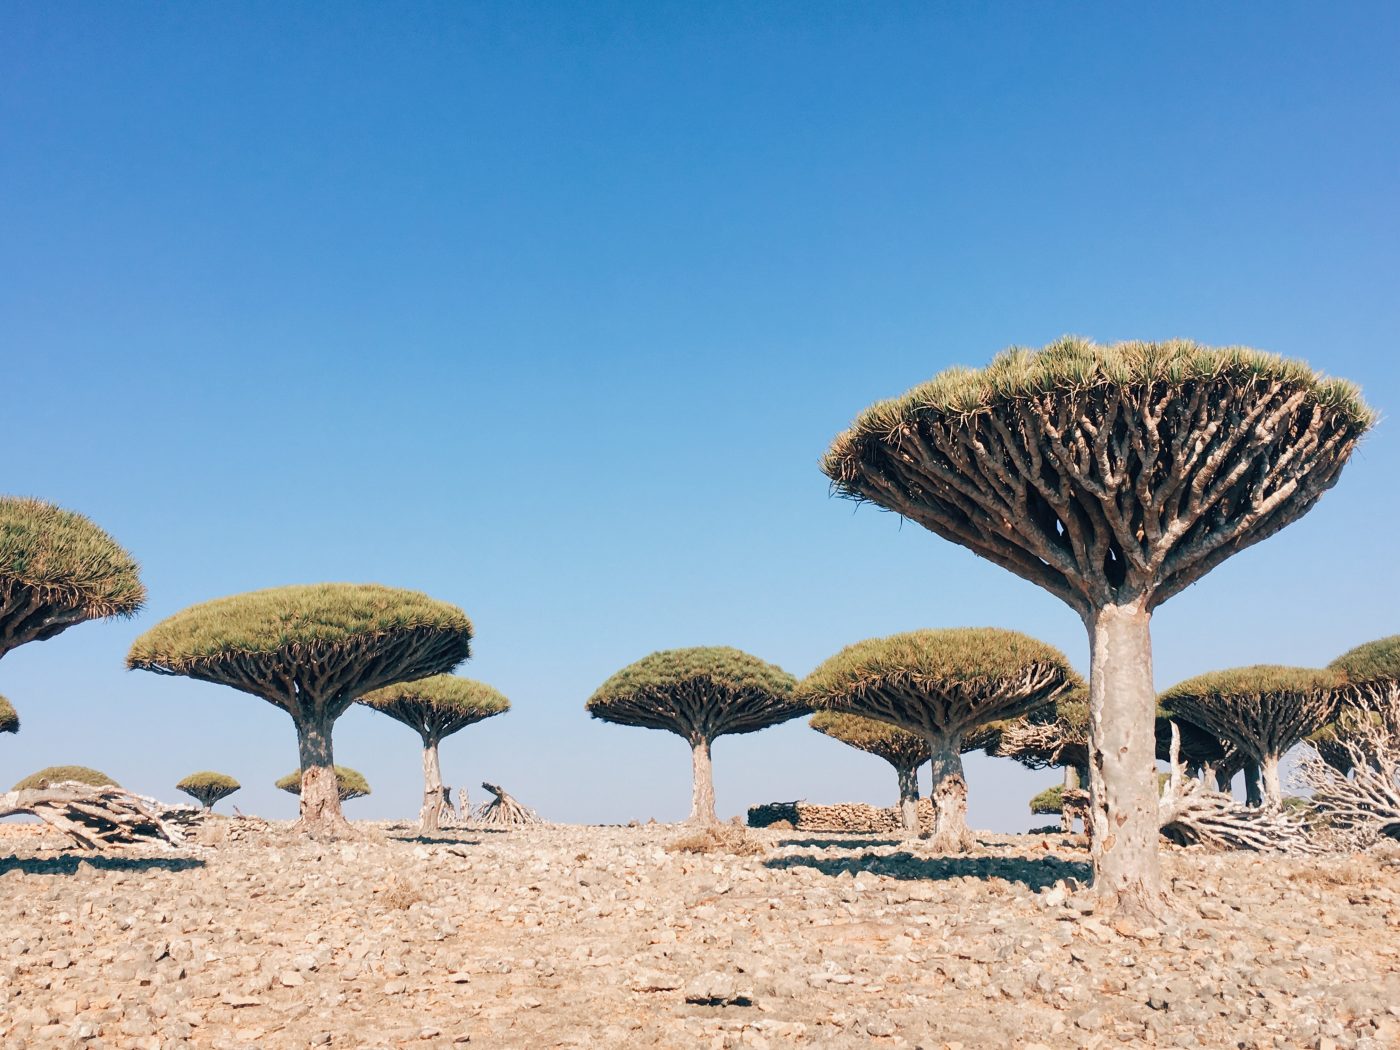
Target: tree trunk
{"points": [[908, 799], [1073, 782], [428, 822], [702, 804], [1253, 793], [320, 794], [1273, 789], [1122, 766], [949, 795]]}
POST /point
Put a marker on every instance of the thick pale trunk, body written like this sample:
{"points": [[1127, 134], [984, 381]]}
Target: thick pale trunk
{"points": [[1072, 783], [1273, 789], [1122, 769], [949, 795], [1253, 789], [908, 800], [428, 816], [702, 799], [1224, 779], [320, 794]]}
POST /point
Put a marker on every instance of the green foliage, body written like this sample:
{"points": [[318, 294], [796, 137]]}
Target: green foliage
{"points": [[9, 717], [349, 783], [899, 747], [66, 560], [292, 621], [963, 658], [438, 705], [720, 666], [60, 774], [1378, 660], [208, 787], [1260, 680], [1051, 800], [1074, 364]]}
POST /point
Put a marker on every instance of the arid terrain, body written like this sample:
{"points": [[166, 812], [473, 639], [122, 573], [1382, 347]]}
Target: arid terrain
{"points": [[604, 937]]}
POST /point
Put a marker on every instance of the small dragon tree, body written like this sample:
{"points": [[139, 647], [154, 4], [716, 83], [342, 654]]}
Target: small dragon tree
{"points": [[9, 717], [349, 783], [434, 708], [902, 749], [208, 788], [310, 650], [942, 684], [1113, 477], [698, 694], [65, 775], [58, 569], [1263, 710]]}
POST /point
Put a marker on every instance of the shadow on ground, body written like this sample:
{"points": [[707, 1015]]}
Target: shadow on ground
{"points": [[67, 864], [467, 838], [1037, 873], [849, 843]]}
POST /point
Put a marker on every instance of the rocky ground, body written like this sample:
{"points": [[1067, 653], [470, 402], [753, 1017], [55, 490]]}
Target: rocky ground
{"points": [[602, 937]]}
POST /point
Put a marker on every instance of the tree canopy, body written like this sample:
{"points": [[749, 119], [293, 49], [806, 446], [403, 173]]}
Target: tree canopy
{"points": [[1054, 735], [9, 717], [698, 693], [439, 705], [57, 569], [1106, 472], [1373, 661], [1258, 681], [899, 747], [349, 783], [62, 774], [1051, 800], [942, 680]]}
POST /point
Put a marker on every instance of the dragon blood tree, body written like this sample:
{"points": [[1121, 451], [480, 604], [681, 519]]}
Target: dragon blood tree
{"points": [[1262, 710], [1113, 477], [434, 708], [310, 650], [1372, 673], [698, 694], [349, 783], [1204, 754], [58, 569], [1054, 735], [9, 717], [902, 749], [208, 788], [943, 685]]}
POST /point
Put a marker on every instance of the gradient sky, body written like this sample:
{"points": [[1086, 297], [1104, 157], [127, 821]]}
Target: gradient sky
{"points": [[549, 310]]}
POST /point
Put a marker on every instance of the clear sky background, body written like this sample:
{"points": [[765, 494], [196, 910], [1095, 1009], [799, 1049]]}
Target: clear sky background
{"points": [[549, 310]]}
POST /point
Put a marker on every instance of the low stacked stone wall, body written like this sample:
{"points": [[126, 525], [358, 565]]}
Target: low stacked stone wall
{"points": [[839, 818]]}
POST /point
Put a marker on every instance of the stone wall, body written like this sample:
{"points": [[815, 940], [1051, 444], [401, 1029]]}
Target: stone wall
{"points": [[840, 817]]}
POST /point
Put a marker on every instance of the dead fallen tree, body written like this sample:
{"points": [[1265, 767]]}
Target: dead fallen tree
{"points": [[1362, 808], [503, 810], [1191, 814], [96, 817]]}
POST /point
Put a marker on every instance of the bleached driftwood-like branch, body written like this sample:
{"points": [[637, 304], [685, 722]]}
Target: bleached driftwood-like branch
{"points": [[94, 817], [504, 810]]}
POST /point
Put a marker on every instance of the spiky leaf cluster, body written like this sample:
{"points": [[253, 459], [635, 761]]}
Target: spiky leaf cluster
{"points": [[1373, 661], [1263, 710], [9, 717], [698, 693], [941, 682], [62, 774], [437, 706], [1051, 800], [349, 783], [57, 569], [208, 787], [1106, 473], [305, 645], [899, 747], [1054, 735]]}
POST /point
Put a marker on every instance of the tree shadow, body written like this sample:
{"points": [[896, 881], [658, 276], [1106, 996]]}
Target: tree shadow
{"points": [[466, 838], [850, 843], [1039, 873], [68, 863]]}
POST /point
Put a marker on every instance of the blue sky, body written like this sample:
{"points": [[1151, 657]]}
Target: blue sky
{"points": [[550, 309]]}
